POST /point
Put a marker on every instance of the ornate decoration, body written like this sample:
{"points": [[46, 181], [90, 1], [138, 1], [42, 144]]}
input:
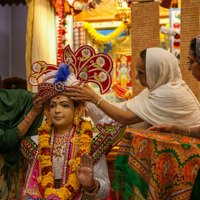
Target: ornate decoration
{"points": [[84, 63], [122, 11], [99, 38]]}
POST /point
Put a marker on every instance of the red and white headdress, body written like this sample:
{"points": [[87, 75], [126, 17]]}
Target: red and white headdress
{"points": [[85, 66]]}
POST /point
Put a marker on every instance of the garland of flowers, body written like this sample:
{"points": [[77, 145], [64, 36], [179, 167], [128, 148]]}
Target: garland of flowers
{"points": [[169, 31], [99, 38], [69, 190], [175, 32]]}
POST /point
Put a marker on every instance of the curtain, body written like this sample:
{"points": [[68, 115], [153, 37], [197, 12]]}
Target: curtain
{"points": [[29, 34], [41, 42]]}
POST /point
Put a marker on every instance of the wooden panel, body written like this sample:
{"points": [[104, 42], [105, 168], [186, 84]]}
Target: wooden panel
{"points": [[189, 30], [144, 33]]}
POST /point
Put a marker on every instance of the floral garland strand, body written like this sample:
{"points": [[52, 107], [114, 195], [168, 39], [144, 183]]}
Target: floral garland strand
{"points": [[99, 38], [169, 31], [69, 190]]}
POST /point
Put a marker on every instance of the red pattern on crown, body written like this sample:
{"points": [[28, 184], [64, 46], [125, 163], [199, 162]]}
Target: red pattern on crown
{"points": [[89, 66], [85, 63]]}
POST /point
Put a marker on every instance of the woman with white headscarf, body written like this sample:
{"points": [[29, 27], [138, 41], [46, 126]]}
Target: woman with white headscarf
{"points": [[167, 98]]}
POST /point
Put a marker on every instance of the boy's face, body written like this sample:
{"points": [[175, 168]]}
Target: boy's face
{"points": [[62, 111]]}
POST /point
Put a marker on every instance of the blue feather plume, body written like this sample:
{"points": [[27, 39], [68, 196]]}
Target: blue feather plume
{"points": [[63, 73]]}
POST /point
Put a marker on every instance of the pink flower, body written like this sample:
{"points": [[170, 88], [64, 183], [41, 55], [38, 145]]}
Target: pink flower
{"points": [[53, 197]]}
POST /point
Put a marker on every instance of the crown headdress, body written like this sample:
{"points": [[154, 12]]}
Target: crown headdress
{"points": [[85, 66]]}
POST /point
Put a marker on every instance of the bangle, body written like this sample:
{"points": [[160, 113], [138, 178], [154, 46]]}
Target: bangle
{"points": [[93, 189], [29, 118], [26, 118], [188, 131], [91, 186], [98, 103]]}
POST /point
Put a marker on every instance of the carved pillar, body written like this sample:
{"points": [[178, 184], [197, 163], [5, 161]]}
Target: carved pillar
{"points": [[189, 30], [145, 31]]}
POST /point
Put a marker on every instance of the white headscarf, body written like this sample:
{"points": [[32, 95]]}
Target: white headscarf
{"points": [[168, 100]]}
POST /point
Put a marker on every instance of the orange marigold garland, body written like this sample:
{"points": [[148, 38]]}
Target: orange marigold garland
{"points": [[69, 190]]}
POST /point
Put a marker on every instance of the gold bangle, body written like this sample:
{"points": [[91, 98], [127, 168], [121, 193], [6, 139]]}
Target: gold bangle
{"points": [[26, 119], [98, 103], [29, 118]]}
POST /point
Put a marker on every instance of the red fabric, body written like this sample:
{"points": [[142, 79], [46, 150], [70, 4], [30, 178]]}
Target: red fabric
{"points": [[111, 195]]}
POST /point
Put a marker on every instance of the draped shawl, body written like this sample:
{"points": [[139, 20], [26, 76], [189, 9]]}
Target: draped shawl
{"points": [[14, 104]]}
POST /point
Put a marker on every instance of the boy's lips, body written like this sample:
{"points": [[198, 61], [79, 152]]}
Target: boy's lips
{"points": [[57, 117]]}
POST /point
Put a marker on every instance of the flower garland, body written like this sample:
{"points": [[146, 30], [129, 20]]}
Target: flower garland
{"points": [[175, 32], [99, 38], [169, 31], [69, 190]]}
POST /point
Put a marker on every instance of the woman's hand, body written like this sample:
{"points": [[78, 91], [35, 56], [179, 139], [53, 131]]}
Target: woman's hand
{"points": [[37, 104], [83, 93], [36, 108], [85, 174], [33, 113], [165, 128]]}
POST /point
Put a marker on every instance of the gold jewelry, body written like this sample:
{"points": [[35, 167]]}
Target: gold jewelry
{"points": [[59, 146], [98, 103], [93, 189], [27, 119]]}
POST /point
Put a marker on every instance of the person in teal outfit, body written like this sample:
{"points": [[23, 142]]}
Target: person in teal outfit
{"points": [[21, 114], [194, 66]]}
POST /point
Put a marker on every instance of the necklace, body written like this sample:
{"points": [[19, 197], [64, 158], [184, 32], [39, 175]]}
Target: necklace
{"points": [[69, 189], [59, 146]]}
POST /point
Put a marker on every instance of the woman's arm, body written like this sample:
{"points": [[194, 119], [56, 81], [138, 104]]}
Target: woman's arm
{"points": [[30, 117], [10, 138], [85, 93]]}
